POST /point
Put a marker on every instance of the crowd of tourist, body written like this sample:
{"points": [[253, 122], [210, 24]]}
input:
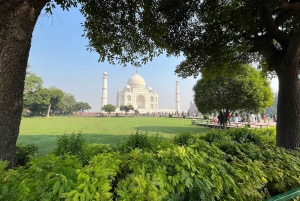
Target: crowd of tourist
{"points": [[248, 118]]}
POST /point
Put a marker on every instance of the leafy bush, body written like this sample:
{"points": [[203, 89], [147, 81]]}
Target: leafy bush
{"points": [[90, 150], [184, 138], [205, 116], [24, 153], [227, 165], [46, 178], [70, 144], [94, 181], [242, 135], [170, 115], [140, 140]]}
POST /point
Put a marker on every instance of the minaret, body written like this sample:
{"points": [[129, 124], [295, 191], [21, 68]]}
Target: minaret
{"points": [[104, 90], [177, 97]]}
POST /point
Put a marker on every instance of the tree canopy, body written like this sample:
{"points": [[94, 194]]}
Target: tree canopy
{"points": [[109, 108], [216, 35], [82, 106], [248, 91], [126, 108], [67, 104]]}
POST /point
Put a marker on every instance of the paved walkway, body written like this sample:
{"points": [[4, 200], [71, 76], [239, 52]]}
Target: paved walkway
{"points": [[239, 124]]}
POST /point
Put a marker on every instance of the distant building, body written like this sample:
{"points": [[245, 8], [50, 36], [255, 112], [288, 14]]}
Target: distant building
{"points": [[141, 98], [193, 109]]}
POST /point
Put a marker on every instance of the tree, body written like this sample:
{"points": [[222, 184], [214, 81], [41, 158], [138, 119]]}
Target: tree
{"points": [[67, 104], [82, 106], [209, 34], [33, 83], [247, 91], [17, 21], [126, 108], [38, 101], [55, 95], [109, 108]]}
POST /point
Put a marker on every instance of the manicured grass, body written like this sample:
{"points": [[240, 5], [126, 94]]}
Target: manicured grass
{"points": [[43, 131]]}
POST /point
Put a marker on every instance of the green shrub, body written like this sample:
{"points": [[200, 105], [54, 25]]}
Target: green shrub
{"points": [[242, 135], [184, 138], [226, 165], [45, 178], [170, 115], [24, 153], [70, 144], [94, 181], [140, 140], [90, 150], [205, 116]]}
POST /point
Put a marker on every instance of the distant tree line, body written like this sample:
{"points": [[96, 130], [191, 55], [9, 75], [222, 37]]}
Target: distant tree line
{"points": [[40, 101]]}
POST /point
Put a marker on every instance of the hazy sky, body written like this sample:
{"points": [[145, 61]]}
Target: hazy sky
{"points": [[58, 55]]}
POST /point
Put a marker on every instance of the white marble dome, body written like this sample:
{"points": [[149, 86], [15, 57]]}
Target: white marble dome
{"points": [[128, 86], [150, 88], [136, 81]]}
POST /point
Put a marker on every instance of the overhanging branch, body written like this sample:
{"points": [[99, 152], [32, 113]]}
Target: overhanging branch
{"points": [[272, 29], [287, 5]]}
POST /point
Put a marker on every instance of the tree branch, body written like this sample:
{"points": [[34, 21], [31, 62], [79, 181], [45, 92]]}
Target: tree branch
{"points": [[287, 5], [285, 16], [272, 29]]}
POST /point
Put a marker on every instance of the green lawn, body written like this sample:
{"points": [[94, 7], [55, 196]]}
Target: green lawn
{"points": [[43, 131]]}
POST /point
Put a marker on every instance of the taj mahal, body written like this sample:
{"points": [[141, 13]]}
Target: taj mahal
{"points": [[142, 98]]}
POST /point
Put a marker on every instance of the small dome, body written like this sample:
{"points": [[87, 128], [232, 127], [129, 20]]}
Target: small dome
{"points": [[105, 73], [136, 81], [150, 88], [128, 86]]}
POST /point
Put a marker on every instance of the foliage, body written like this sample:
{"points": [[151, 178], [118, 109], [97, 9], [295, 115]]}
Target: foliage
{"points": [[55, 97], [69, 144], [46, 178], [76, 145], [205, 116], [32, 82], [207, 41], [126, 108], [82, 106], [136, 112], [109, 108], [242, 135], [240, 164], [184, 138], [67, 104], [24, 153], [247, 91], [37, 101], [93, 182], [140, 140]]}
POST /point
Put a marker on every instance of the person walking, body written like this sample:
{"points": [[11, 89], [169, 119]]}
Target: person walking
{"points": [[258, 117]]}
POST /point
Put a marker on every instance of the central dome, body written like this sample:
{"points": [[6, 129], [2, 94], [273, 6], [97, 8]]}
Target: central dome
{"points": [[136, 81]]}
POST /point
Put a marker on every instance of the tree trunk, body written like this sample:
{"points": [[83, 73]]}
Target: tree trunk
{"points": [[17, 21], [288, 108], [48, 111]]}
